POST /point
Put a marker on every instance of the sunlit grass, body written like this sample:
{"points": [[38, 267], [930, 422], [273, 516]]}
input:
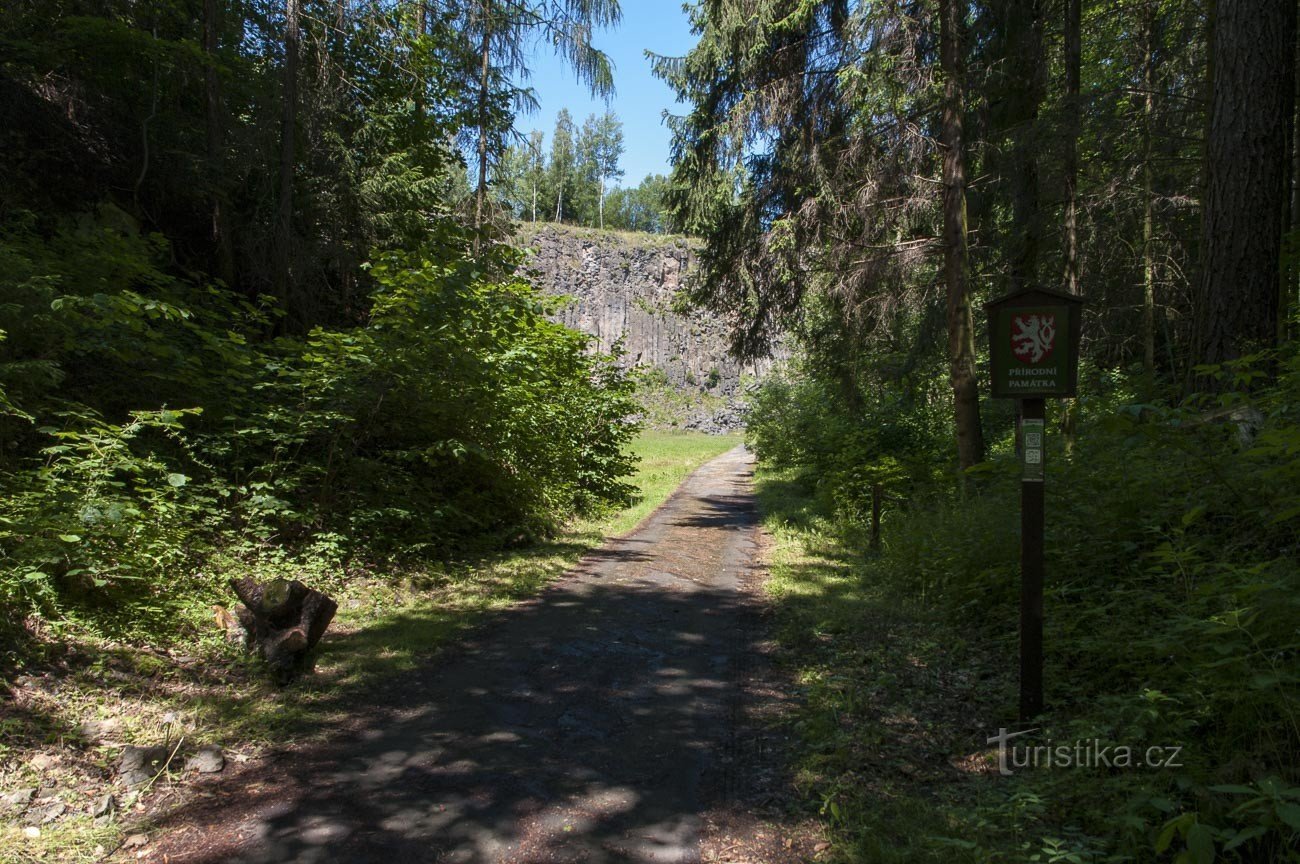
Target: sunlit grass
{"points": [[666, 459], [72, 839]]}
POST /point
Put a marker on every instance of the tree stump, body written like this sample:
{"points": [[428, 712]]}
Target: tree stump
{"points": [[284, 620]]}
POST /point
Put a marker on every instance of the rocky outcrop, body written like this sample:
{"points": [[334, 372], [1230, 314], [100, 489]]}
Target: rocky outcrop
{"points": [[624, 289]]}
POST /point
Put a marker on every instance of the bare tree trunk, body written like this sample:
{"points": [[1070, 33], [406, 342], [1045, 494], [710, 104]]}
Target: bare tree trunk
{"points": [[1148, 218], [1291, 276], [1023, 92], [485, 51], [602, 201], [1253, 97], [961, 329], [1073, 61], [288, 119], [421, 30], [1073, 126], [221, 241]]}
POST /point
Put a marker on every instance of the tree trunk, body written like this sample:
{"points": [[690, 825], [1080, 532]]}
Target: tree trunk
{"points": [[1073, 126], [1148, 217], [1241, 225], [1291, 276], [961, 329], [1023, 91], [602, 201], [1073, 55], [288, 119], [221, 241], [485, 52], [284, 620], [421, 30]]}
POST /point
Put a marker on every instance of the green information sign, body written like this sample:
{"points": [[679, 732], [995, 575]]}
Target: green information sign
{"points": [[1033, 345], [1032, 341]]}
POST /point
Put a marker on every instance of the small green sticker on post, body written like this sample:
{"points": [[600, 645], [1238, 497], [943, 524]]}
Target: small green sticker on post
{"points": [[1032, 447]]}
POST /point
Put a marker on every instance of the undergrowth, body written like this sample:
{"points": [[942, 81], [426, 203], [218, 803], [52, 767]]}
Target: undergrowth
{"points": [[1171, 622]]}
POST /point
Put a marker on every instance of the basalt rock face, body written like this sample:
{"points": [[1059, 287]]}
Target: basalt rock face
{"points": [[623, 288]]}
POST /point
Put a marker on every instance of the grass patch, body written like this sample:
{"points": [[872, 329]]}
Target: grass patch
{"points": [[210, 692], [897, 705], [666, 459]]}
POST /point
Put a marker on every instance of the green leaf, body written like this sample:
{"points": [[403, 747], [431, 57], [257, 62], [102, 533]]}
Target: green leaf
{"points": [[1167, 835], [1290, 814], [1243, 836], [177, 480], [1233, 790], [70, 538], [1200, 843]]}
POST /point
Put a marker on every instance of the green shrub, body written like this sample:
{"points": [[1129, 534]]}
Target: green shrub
{"points": [[149, 419]]}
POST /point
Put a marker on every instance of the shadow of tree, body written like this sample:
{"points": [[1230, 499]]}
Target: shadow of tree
{"points": [[589, 723]]}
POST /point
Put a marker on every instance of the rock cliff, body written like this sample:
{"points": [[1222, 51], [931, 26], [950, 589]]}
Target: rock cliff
{"points": [[623, 288]]}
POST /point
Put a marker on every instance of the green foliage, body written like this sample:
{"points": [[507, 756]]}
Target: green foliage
{"points": [[102, 512], [665, 405], [799, 420], [582, 165], [457, 415], [1171, 608], [161, 412]]}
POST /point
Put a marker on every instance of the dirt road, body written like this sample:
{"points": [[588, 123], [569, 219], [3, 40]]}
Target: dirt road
{"points": [[596, 723]]}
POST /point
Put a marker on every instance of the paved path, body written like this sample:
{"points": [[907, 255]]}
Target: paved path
{"points": [[592, 724]]}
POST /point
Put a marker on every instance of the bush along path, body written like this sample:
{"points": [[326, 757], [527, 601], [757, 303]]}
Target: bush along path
{"points": [[597, 722]]}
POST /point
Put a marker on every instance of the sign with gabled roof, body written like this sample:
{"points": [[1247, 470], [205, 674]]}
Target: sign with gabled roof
{"points": [[1034, 344]]}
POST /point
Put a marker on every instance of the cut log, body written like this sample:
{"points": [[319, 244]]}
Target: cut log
{"points": [[284, 620]]}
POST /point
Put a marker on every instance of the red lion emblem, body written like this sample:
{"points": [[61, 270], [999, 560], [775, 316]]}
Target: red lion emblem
{"points": [[1033, 337]]}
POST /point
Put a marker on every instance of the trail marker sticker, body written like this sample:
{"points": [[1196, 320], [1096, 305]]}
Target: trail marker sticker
{"points": [[1031, 434]]}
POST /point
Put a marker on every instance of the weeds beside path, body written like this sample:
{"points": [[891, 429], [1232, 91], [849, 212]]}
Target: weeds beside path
{"points": [[894, 705]]}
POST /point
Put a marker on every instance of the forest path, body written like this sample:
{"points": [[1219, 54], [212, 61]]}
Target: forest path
{"points": [[594, 723]]}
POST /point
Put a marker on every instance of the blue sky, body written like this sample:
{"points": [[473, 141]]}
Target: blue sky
{"points": [[639, 98]]}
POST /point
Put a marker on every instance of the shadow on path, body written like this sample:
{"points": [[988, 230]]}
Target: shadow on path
{"points": [[592, 723]]}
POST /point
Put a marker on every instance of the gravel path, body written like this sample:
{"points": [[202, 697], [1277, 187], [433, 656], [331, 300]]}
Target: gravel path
{"points": [[596, 723]]}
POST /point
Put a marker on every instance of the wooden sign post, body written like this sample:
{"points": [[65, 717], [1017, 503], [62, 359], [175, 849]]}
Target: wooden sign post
{"points": [[1033, 355]]}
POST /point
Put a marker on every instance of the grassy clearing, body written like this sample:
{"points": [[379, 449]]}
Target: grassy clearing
{"points": [[209, 692], [896, 707], [666, 459]]}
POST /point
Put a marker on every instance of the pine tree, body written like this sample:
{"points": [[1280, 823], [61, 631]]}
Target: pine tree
{"points": [[1252, 103], [536, 167], [497, 34]]}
